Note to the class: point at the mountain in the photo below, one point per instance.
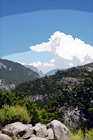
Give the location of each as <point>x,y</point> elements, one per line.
<point>52,72</point>
<point>46,85</point>
<point>41,74</point>
<point>32,68</point>
<point>70,91</point>
<point>12,73</point>
<point>49,73</point>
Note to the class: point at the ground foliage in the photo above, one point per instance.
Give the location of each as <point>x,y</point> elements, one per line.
<point>79,94</point>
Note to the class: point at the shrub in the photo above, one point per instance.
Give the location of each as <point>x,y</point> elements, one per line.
<point>2,117</point>
<point>33,111</point>
<point>79,135</point>
<point>9,114</point>
<point>89,135</point>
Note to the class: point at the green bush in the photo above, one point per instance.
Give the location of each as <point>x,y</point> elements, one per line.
<point>9,114</point>
<point>2,117</point>
<point>51,113</point>
<point>33,111</point>
<point>79,135</point>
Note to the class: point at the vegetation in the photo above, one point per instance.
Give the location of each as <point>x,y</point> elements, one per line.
<point>72,89</point>
<point>46,85</point>
<point>56,93</point>
<point>9,114</point>
<point>79,135</point>
<point>14,73</point>
<point>15,107</point>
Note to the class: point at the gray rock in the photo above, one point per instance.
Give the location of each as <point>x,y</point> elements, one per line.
<point>40,130</point>
<point>72,117</point>
<point>4,137</point>
<point>37,138</point>
<point>18,129</point>
<point>50,134</point>
<point>60,130</point>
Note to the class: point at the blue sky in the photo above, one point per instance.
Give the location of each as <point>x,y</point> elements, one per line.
<point>29,26</point>
<point>12,7</point>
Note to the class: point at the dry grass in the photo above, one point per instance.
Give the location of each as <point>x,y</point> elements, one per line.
<point>79,135</point>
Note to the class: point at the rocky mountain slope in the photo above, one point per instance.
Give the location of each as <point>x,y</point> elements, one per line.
<point>45,85</point>
<point>49,73</point>
<point>71,91</point>
<point>52,131</point>
<point>14,73</point>
<point>32,68</point>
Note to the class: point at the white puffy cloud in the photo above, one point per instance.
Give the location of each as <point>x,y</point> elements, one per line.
<point>67,52</point>
<point>70,64</point>
<point>52,60</point>
<point>36,64</point>
<point>48,64</point>
<point>44,65</point>
<point>66,47</point>
<point>41,47</point>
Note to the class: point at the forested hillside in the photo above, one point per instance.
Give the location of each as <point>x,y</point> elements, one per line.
<point>66,96</point>
<point>47,84</point>
<point>15,73</point>
<point>68,90</point>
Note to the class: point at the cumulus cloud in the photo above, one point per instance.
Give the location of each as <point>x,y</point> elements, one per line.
<point>36,64</point>
<point>44,65</point>
<point>70,64</point>
<point>66,47</point>
<point>41,47</point>
<point>52,60</point>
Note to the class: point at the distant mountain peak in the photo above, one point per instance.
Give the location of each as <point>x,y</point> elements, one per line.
<point>32,68</point>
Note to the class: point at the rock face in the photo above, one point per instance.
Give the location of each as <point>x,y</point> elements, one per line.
<point>61,132</point>
<point>6,86</point>
<point>50,134</point>
<point>38,132</point>
<point>32,68</point>
<point>4,137</point>
<point>72,117</point>
<point>17,129</point>
<point>37,138</point>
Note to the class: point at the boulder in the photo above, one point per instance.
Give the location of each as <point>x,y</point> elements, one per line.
<point>50,134</point>
<point>4,137</point>
<point>18,129</point>
<point>61,132</point>
<point>40,130</point>
<point>37,138</point>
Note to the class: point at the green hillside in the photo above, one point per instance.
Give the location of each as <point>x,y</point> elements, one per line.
<point>70,89</point>
<point>47,84</point>
<point>15,73</point>
<point>67,91</point>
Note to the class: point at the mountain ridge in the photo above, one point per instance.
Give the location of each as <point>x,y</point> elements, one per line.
<point>45,84</point>
<point>15,73</point>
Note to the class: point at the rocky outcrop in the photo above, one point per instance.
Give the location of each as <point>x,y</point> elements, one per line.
<point>50,134</point>
<point>38,132</point>
<point>5,86</point>
<point>18,129</point>
<point>37,97</point>
<point>72,117</point>
<point>4,137</point>
<point>61,132</point>
<point>69,80</point>
<point>37,138</point>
